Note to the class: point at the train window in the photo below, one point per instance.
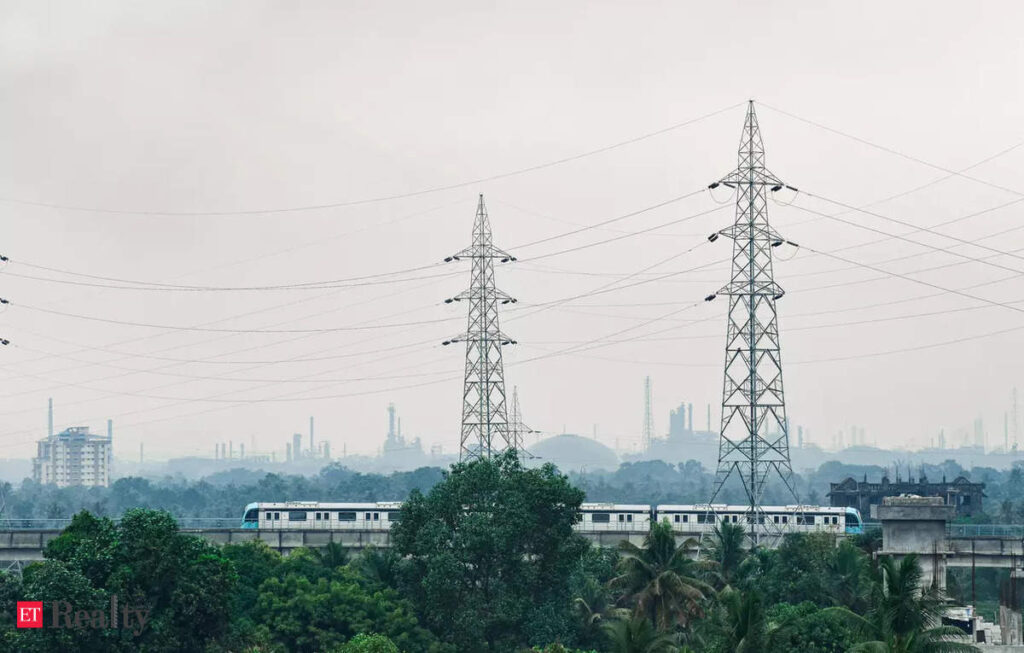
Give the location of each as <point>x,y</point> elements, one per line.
<point>318,518</point>
<point>395,515</point>
<point>346,516</point>
<point>277,516</point>
<point>785,519</point>
<point>296,515</point>
<point>835,520</point>
<point>376,516</point>
<point>270,515</point>
<point>629,518</point>
<point>686,518</point>
<point>775,518</point>
<point>703,518</point>
<point>367,516</point>
<point>622,518</point>
<point>600,518</point>
<point>734,517</point>
<point>677,519</point>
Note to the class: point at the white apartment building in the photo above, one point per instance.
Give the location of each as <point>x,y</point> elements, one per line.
<point>74,457</point>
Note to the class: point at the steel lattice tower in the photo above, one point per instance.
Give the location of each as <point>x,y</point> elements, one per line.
<point>754,436</point>
<point>517,429</point>
<point>485,424</point>
<point>648,432</point>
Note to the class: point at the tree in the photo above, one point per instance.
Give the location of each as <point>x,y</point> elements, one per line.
<point>903,618</point>
<point>184,581</point>
<point>637,635</point>
<point>488,553</point>
<point>331,556</point>
<point>727,550</point>
<point>363,643</point>
<point>660,578</point>
<point>305,615</point>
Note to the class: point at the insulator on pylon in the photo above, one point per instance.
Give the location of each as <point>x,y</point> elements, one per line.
<point>710,297</point>
<point>713,237</point>
<point>776,243</point>
<point>776,187</point>
<point>713,186</point>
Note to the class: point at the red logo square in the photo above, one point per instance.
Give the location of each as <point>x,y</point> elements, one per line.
<point>30,614</point>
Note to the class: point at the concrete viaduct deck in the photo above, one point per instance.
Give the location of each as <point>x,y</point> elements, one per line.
<point>19,547</point>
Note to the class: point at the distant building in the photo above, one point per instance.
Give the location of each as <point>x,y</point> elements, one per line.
<point>965,495</point>
<point>74,457</point>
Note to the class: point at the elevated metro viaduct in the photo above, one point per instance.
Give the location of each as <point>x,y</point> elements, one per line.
<point>909,525</point>
<point>19,547</point>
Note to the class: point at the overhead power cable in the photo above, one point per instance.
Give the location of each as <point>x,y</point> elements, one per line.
<point>895,152</point>
<point>382,198</point>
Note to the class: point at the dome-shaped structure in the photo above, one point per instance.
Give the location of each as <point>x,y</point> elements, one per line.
<point>571,452</point>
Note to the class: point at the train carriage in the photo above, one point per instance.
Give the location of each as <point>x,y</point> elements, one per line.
<point>703,518</point>
<point>317,515</point>
<point>604,517</point>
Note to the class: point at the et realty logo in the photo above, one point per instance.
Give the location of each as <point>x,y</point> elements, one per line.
<point>63,615</point>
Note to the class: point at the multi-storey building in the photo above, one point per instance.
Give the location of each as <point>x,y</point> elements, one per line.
<point>74,457</point>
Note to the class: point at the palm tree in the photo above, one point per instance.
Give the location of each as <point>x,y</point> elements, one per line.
<point>332,556</point>
<point>637,635</point>
<point>746,630</point>
<point>850,578</point>
<point>904,619</point>
<point>727,550</point>
<point>661,579</point>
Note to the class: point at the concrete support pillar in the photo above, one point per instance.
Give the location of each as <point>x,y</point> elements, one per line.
<point>917,525</point>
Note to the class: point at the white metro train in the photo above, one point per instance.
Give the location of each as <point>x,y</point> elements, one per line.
<point>593,517</point>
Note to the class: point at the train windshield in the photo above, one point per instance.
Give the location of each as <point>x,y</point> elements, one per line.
<point>853,522</point>
<point>251,518</point>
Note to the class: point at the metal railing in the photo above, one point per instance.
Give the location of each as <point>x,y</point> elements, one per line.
<point>183,522</point>
<point>985,530</point>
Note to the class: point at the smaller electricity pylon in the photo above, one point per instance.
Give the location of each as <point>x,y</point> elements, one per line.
<point>485,424</point>
<point>517,429</point>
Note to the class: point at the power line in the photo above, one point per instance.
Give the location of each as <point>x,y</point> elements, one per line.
<point>382,198</point>
<point>898,153</point>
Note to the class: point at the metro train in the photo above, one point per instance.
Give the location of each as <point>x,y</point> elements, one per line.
<point>692,519</point>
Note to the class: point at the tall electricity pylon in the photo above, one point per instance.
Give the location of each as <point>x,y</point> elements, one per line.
<point>648,432</point>
<point>754,437</point>
<point>485,425</point>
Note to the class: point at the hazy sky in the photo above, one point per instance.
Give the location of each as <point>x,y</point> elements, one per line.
<point>237,106</point>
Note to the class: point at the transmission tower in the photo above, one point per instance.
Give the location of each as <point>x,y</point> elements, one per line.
<point>648,433</point>
<point>754,436</point>
<point>485,425</point>
<point>517,429</point>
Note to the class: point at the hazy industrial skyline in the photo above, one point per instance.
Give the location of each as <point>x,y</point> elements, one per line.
<point>210,108</point>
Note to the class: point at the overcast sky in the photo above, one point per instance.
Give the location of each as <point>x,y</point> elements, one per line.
<point>210,107</point>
